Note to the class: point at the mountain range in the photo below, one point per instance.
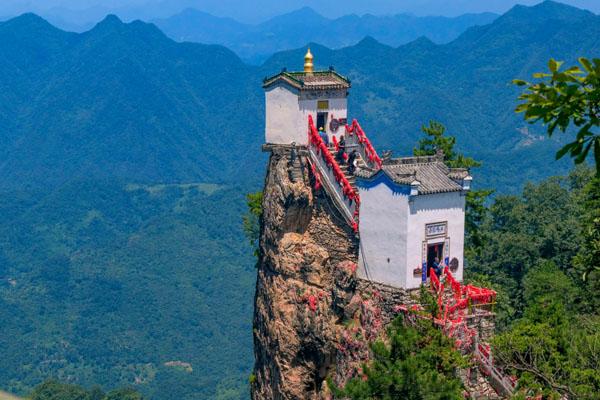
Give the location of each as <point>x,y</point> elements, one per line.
<point>255,43</point>
<point>125,157</point>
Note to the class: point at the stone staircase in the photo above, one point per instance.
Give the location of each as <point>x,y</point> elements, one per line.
<point>344,167</point>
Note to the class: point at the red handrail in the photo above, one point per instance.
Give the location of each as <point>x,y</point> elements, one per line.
<point>315,139</point>
<point>363,139</point>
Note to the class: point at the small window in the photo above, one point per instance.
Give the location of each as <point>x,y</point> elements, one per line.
<point>323,104</point>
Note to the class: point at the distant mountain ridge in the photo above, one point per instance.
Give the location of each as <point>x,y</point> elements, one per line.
<point>121,101</point>
<point>255,43</point>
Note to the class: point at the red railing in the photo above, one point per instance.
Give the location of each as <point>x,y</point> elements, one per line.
<point>371,154</point>
<point>452,319</point>
<point>348,191</point>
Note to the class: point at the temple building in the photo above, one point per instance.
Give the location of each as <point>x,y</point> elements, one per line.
<point>408,213</point>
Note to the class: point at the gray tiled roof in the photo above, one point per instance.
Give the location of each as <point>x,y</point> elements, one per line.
<point>318,80</point>
<point>433,175</point>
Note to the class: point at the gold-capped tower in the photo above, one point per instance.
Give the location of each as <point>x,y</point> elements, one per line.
<point>308,62</point>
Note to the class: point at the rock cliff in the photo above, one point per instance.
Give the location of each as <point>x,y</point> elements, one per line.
<point>301,287</point>
<point>313,318</point>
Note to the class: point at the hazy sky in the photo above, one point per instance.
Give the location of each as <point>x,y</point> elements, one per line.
<point>255,10</point>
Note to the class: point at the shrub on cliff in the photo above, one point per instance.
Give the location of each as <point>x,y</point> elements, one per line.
<point>416,362</point>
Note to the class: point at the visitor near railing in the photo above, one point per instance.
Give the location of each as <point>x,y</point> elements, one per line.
<point>356,136</point>
<point>331,173</point>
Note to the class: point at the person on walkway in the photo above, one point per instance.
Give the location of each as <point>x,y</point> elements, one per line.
<point>340,156</point>
<point>437,267</point>
<point>352,162</point>
<point>324,136</point>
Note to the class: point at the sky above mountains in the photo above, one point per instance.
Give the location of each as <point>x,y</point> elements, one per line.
<point>83,11</point>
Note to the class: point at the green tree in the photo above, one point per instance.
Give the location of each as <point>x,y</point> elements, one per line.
<point>435,140</point>
<point>55,390</point>
<point>123,394</point>
<point>416,362</point>
<point>551,349</point>
<point>251,220</point>
<point>563,98</point>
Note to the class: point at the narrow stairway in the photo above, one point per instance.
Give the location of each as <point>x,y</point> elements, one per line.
<point>344,167</point>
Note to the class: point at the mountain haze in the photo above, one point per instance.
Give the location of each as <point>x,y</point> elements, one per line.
<point>257,42</point>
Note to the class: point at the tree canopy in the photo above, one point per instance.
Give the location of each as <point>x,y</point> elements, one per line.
<point>565,98</point>
<point>55,390</point>
<point>415,362</point>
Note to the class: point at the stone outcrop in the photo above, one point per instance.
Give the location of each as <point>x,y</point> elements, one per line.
<point>302,287</point>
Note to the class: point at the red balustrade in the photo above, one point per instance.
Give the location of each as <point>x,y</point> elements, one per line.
<point>315,139</point>
<point>370,152</point>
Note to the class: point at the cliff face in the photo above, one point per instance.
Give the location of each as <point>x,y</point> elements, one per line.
<point>313,318</point>
<point>306,263</point>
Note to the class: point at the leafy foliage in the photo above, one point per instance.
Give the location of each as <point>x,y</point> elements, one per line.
<point>435,141</point>
<point>107,283</point>
<point>415,362</point>
<point>54,390</point>
<point>588,258</point>
<point>552,349</point>
<point>548,317</point>
<point>565,97</point>
<point>251,220</point>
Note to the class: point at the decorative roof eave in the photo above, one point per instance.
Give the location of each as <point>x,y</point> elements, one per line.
<point>292,79</point>
<point>402,183</point>
<point>458,174</point>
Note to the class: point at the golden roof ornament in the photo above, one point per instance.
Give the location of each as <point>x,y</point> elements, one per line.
<point>308,62</point>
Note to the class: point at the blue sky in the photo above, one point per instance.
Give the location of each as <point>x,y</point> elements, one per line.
<point>256,10</point>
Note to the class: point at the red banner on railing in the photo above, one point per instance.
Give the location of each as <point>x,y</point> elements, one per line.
<point>315,139</point>
<point>364,140</point>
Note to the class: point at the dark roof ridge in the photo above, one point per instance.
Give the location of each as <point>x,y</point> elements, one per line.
<point>297,79</point>
<point>414,160</point>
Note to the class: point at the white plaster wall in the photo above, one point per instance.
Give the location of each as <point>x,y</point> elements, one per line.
<point>283,117</point>
<point>338,107</point>
<point>383,227</point>
<point>428,209</point>
<point>287,113</point>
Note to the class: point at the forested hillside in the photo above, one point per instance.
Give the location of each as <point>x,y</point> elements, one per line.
<point>123,101</point>
<point>125,157</point>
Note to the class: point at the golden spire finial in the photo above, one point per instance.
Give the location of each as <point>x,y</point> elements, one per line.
<point>308,62</point>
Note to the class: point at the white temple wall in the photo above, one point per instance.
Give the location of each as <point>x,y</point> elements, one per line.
<point>287,112</point>
<point>431,209</point>
<point>283,117</point>
<point>383,227</point>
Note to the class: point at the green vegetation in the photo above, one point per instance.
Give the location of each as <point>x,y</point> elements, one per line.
<point>567,97</point>
<point>53,390</point>
<point>117,267</point>
<point>251,220</point>
<point>536,248</point>
<point>113,284</point>
<point>415,362</point>
<point>436,140</point>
